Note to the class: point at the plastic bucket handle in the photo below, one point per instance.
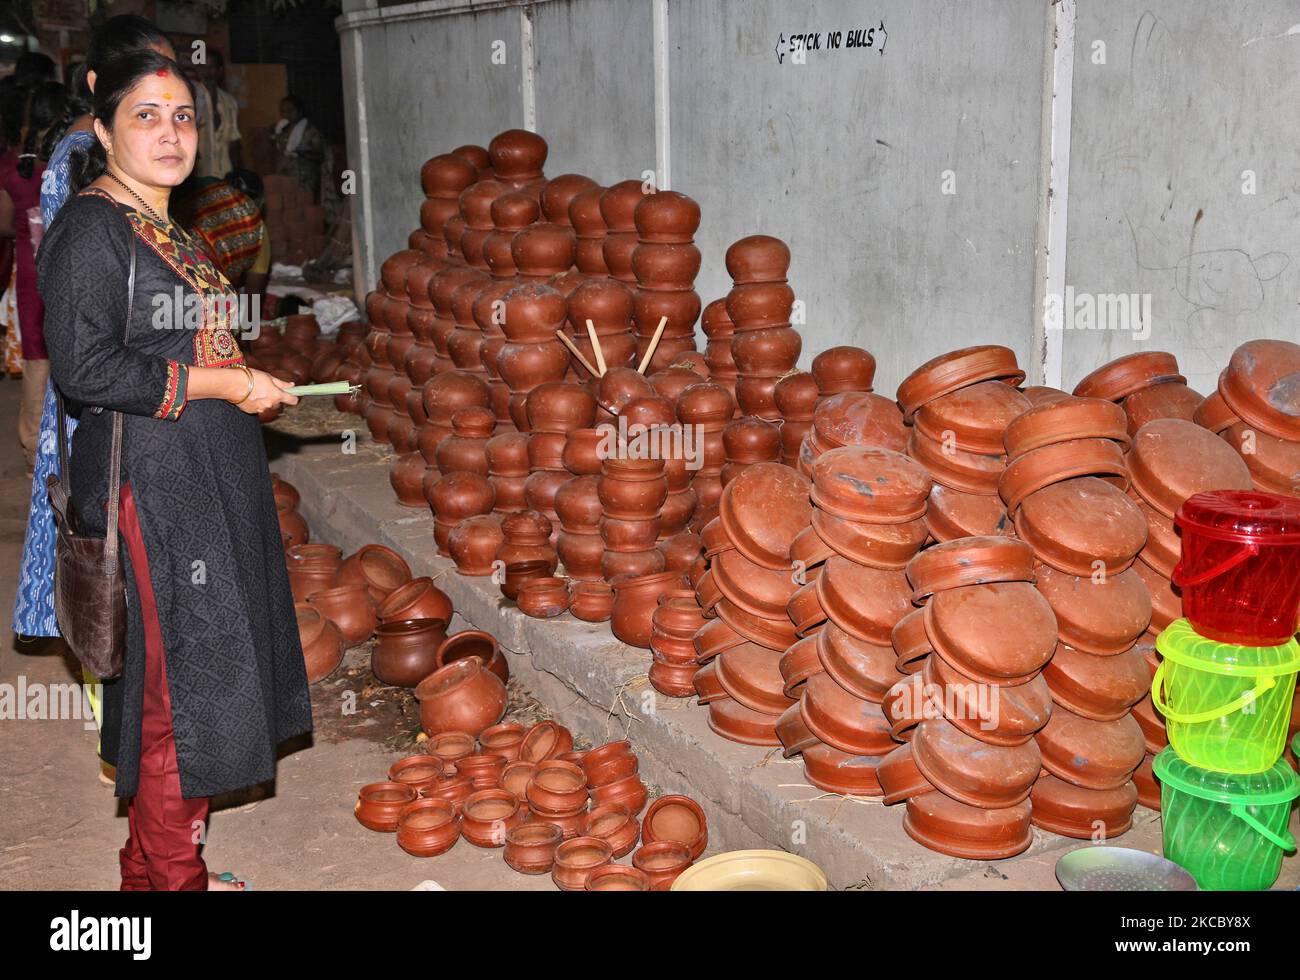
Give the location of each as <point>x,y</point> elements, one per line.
<point>1248,550</point>
<point>1265,683</point>
<point>1283,840</point>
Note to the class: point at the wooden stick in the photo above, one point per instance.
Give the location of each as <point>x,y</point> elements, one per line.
<point>595,346</point>
<point>564,339</point>
<point>654,342</point>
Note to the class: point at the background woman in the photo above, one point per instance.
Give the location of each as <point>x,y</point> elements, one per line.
<point>214,677</point>
<point>299,146</point>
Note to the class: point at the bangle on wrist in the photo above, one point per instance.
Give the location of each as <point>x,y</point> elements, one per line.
<point>244,368</point>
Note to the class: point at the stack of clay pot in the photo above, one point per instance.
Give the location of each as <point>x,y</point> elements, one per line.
<point>796,396</point>
<point>589,230</point>
<point>1147,385</point>
<point>744,594</point>
<point>632,494</point>
<point>665,263</point>
<point>511,213</point>
<point>476,211</point>
<point>443,178</point>
<point>531,355</point>
<point>970,715</point>
<point>748,440</point>
<point>543,252</point>
<point>720,331</point>
<point>441,397</point>
<point>517,157</point>
<point>764,346</point>
<point>676,620</point>
<point>421,357</point>
<point>508,469</point>
<point>293,526</point>
<point>840,369</point>
<point>707,407</point>
<point>387,344</point>
<point>607,303</point>
<point>617,207</point>
<point>554,409</point>
<point>526,551</point>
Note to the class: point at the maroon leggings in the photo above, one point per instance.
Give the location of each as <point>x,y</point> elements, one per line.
<point>166,830</point>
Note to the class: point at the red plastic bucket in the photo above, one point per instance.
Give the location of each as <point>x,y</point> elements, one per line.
<point>1240,567</point>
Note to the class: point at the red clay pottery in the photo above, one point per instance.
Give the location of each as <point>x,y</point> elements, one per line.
<point>864,602</point>
<point>545,740</point>
<point>763,509</point>
<point>379,569</point>
<point>618,878</point>
<point>998,715</point>
<point>758,590</point>
<point>1065,420</point>
<point>543,598</point>
<point>405,651</point>
<point>614,824</point>
<point>972,771</point>
<point>632,489</point>
<point>1169,400</point>
<point>516,776</point>
<point>1213,413</point>
<point>449,748</point>
<point>955,370</point>
<point>592,602</point>
<point>322,644</point>
<point>1147,785</point>
<point>1173,459</point>
<point>285,493</point>
<point>734,722</point>
<point>482,769</point>
<point>1074,525</point>
<point>635,597</point>
<point>662,862</point>
<point>427,828</point>
<point>1074,811</point>
<point>677,818</point>
<point>629,791</point>
<point>855,418</point>
<point>1274,464</point>
<point>801,661</point>
<point>953,514</point>
<point>474,543</point>
<point>795,736</point>
<point>1163,547</point>
<point>1100,688</point>
<point>1123,376</point>
<point>557,788</point>
<point>488,815</point>
<point>379,805</point>
<point>950,827</point>
<point>899,778</point>
<point>1092,754</point>
<point>463,696</point>
<point>973,418</point>
<point>843,720</point>
<point>420,772</point>
<point>714,637</point>
<point>805,609</point>
<point>609,762</point>
<point>752,675</point>
<point>1001,633</point>
<point>530,847</point>
<point>775,634</point>
<point>834,771</point>
<point>1097,615</point>
<point>417,599</point>
<point>808,547</point>
<point>576,859</point>
<point>350,609</point>
<point>469,644</point>
<point>865,670</point>
<point>1039,468</point>
<point>865,483</point>
<point>503,740</point>
<point>910,642</point>
<point>955,468</point>
<point>969,561</point>
<point>838,369</point>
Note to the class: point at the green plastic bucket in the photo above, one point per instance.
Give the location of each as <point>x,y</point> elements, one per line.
<point>1226,707</point>
<point>1228,830</point>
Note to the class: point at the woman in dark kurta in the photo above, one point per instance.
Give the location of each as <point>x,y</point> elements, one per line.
<point>213,661</point>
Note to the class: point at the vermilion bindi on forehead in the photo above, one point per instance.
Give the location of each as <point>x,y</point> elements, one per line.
<point>162,73</point>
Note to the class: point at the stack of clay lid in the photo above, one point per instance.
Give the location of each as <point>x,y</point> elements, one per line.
<point>1257,410</point>
<point>748,440</point>
<point>958,405</point>
<point>765,346</point>
<point>1147,385</point>
<point>852,418</point>
<point>719,330</point>
<point>796,397</point>
<point>442,178</point>
<point>840,369</point>
<point>745,593</point>
<point>665,263</point>
<point>970,715</point>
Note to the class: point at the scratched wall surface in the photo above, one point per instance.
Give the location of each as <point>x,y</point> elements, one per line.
<point>595,87</point>
<point>843,157</point>
<point>1190,96</point>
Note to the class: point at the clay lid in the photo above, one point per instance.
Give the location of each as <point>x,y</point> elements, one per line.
<point>758,258</point>
<point>1042,394</point>
<point>734,722</point>
<point>513,211</point>
<point>955,370</point>
<point>972,771</point>
<point>1009,715</point>
<point>558,193</point>
<point>1214,413</point>
<point>859,418</point>
<point>953,514</point>
<point>899,777</point>
<point>834,771</point>
<point>844,721</point>
<point>752,675</point>
<point>969,561</point>
<point>976,416</point>
<point>1099,688</point>
<point>1167,400</point>
<point>1073,524</point>
<point>870,484</point>
<point>517,155</point>
<point>865,670</point>
<point>1091,754</point>
<point>446,175</point>
<point>864,602</point>
<point>1000,633</point>
<point>715,322</point>
<point>1274,464</point>
<point>775,634</point>
<point>955,468</point>
<point>1039,468</point>
<point>763,509</point>
<point>1063,420</point>
<point>618,205</point>
<point>838,369</point>
<point>755,589</point>
<point>584,213</point>
<point>666,216</point>
<point>951,827</point>
<point>476,203</point>
<point>1121,377</point>
<point>1063,808</point>
<point>1172,459</point>
<point>796,396</point>
<point>1099,615</point>
<point>886,546</point>
<point>910,642</point>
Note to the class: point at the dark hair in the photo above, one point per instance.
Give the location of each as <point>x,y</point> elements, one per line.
<point>116,79</point>
<point>76,104</point>
<point>45,106</point>
<point>122,35</point>
<point>247,182</point>
<point>32,68</point>
<point>297,103</point>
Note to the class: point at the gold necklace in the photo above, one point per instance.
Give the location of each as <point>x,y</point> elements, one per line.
<point>143,203</point>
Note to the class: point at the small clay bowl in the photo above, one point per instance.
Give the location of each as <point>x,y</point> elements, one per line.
<point>1001,633</point>
<point>612,822</point>
<point>1074,524</point>
<point>998,715</point>
<point>488,815</point>
<point>752,675</point>
<point>864,602</point>
<point>483,770</point>
<point>545,740</point>
<point>530,847</point>
<point>972,771</point>
<point>576,859</point>
<point>775,634</point>
<point>910,642</point>
<point>969,561</point>
<point>1040,468</point>
<point>592,602</point>
<point>755,589</point>
<point>1173,459</point>
<point>628,790</point>
<point>867,483</point>
<point>1098,615</point>
<point>885,546</point>
<point>794,735</point>
<point>1123,376</point>
<point>973,417</point>
<point>736,723</point>
<point>865,670</point>
<point>838,718</point>
<point>953,514</point>
<point>955,468</point>
<point>570,824</point>
<point>1099,688</point>
<point>427,828</point>
<point>801,661</point>
<point>449,748</point>
<point>515,778</point>
<point>951,827</point>
<point>379,805</point>
<point>543,598</point>
<point>955,370</point>
<point>677,818</point>
<point>503,740</point>
<point>662,862</point>
<point>557,788</point>
<point>763,509</point>
<point>1073,811</point>
<point>707,593</point>
<point>618,878</point>
<point>1091,754</point>
<point>899,778</point>
<point>1065,420</point>
<point>834,771</point>
<point>609,762</point>
<point>714,637</point>
<point>420,772</point>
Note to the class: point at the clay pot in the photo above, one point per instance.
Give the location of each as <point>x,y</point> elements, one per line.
<point>1021,710</point>
<point>474,544</point>
<point>488,815</point>
<point>1073,524</point>
<point>629,791</point>
<point>417,599</point>
<point>1100,688</point>
<point>855,418</point>
<point>973,418</point>
<point>956,468</point>
<point>285,493</point>
<point>1040,468</point>
<point>473,644</point>
<point>609,762</point>
<point>956,370</point>
<point>544,598</point>
<point>582,449</point>
<point>865,483</point>
<point>758,258</point>
<point>482,769</point>
<point>864,602</point>
<point>707,686</point>
<point>972,771</point>
<point>405,650</point>
<point>1125,375</point>
<point>677,818</point>
<point>462,696</point>
<point>576,859</point>
<point>752,675</point>
<point>1172,459</point>
<point>948,826</point>
<point>1099,616</point>
<point>910,642</point>
<point>758,590</point>
<point>1097,755</point>
<point>420,772</point>
<point>733,721</point>
<point>899,778</point>
<point>1170,400</point>
<point>1073,811</point>
<point>634,604</point>
<point>350,609</point>
<point>545,740</point>
<point>557,788</point>
<point>838,369</point>
<point>662,862</point>
<point>834,771</point>
<point>972,629</point>
<point>380,804</point>
<point>379,569</point>
<point>842,720</point>
<point>863,669</point>
<point>801,661</point>
<point>969,561</point>
<point>1213,413</point>
<point>592,602</point>
<point>631,564</point>
<point>952,514</point>
<point>763,509</point>
<point>632,489</point>
<point>322,644</point>
<point>530,847</point>
<point>795,736</point>
<point>449,748</point>
<point>775,634</point>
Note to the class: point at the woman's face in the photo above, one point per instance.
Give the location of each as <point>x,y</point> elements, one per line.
<point>290,111</point>
<point>154,137</point>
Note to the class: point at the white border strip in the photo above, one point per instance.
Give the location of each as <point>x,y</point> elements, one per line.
<point>363,216</point>
<point>422,10</point>
<point>528,64</point>
<point>662,95</point>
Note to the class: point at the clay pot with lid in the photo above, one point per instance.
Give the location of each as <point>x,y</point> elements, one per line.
<point>474,542</point>
<point>589,231</point>
<point>473,644</point>
<point>463,696</point>
<point>1125,375</point>
<point>1073,524</point>
<point>322,644</point>
<point>758,258</point>
<point>839,369</point>
<point>635,598</point>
